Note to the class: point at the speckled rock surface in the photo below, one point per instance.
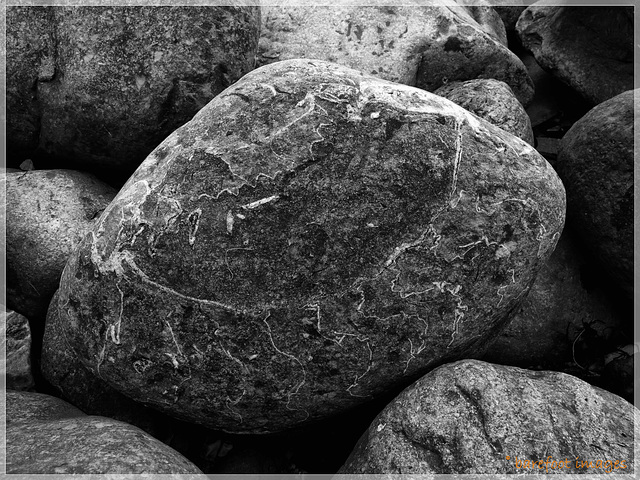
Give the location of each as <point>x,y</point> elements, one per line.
<point>588,48</point>
<point>88,392</point>
<point>311,238</point>
<point>485,16</point>
<point>418,46</point>
<point>62,368</point>
<point>48,212</point>
<point>30,58</point>
<point>493,101</point>
<point>37,407</point>
<point>474,417</point>
<point>18,351</point>
<point>561,325</point>
<point>47,435</point>
<point>596,163</point>
<point>119,79</point>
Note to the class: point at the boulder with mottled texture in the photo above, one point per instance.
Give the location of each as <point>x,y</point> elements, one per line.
<point>116,80</point>
<point>75,383</point>
<point>588,48</point>
<point>472,417</point>
<point>418,46</point>
<point>47,214</point>
<point>46,435</point>
<point>596,164</point>
<point>485,16</point>
<point>312,238</point>
<point>492,100</point>
<point>30,54</point>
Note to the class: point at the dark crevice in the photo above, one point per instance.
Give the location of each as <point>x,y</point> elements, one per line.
<point>220,78</point>
<point>166,107</point>
<point>391,127</point>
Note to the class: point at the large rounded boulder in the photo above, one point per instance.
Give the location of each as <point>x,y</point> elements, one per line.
<point>493,101</point>
<point>472,417</point>
<point>46,435</point>
<point>313,238</point>
<point>424,47</point>
<point>102,86</point>
<point>596,163</point>
<point>590,49</point>
<point>47,214</point>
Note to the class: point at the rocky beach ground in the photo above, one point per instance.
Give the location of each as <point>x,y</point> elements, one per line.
<point>326,240</point>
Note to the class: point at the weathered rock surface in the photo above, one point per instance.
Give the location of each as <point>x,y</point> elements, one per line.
<point>117,80</point>
<point>588,48</point>
<point>314,447</point>
<point>61,367</point>
<point>492,100</point>
<point>18,351</point>
<point>560,324</point>
<point>92,395</point>
<point>48,435</point>
<point>30,58</point>
<point>418,46</point>
<point>485,16</point>
<point>474,417</point>
<point>596,163</point>
<point>47,214</point>
<point>313,237</point>
<point>77,385</point>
